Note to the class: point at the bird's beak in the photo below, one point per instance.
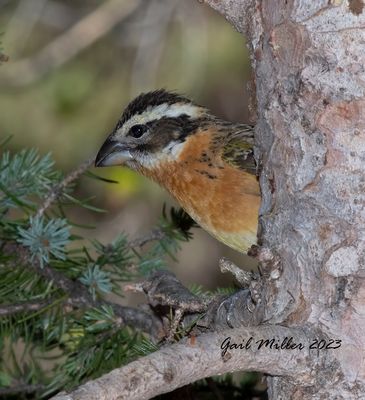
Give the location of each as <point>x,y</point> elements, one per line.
<point>112,153</point>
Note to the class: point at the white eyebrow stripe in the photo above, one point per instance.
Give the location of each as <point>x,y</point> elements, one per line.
<point>161,111</point>
<point>175,110</point>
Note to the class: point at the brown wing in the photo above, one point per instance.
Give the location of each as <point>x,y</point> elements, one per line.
<point>236,141</point>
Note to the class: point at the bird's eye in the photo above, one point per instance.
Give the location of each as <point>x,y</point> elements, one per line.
<point>137,131</point>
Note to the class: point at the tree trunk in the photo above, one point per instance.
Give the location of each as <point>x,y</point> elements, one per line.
<point>309,58</point>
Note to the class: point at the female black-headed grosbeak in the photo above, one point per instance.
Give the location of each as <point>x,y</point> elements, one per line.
<point>206,163</point>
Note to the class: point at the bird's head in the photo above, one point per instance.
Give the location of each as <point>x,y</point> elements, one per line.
<point>152,128</point>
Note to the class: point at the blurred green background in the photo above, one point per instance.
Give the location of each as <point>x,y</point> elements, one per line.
<point>75,64</point>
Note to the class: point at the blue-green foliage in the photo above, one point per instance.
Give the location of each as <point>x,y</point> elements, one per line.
<point>45,238</point>
<point>96,280</point>
<point>84,342</point>
<point>23,176</point>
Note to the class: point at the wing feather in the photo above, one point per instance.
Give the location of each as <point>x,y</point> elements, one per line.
<point>236,146</point>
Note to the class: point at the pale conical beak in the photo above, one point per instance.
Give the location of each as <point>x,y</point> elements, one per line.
<point>112,153</point>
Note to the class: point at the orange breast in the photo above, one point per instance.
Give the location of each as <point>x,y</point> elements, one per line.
<point>222,199</point>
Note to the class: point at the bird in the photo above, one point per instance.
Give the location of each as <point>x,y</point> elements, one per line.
<point>206,163</point>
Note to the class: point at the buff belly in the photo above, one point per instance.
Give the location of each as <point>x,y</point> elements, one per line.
<point>240,241</point>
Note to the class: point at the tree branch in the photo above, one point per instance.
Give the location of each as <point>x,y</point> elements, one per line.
<point>82,35</point>
<point>20,388</point>
<point>56,192</point>
<point>79,295</point>
<point>235,12</point>
<point>197,358</point>
<point>58,189</point>
<point>243,308</point>
<point>154,234</point>
<point>31,306</point>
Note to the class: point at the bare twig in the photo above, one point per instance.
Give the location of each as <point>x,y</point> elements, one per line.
<point>151,44</point>
<point>83,34</point>
<point>59,15</point>
<point>22,23</point>
<point>164,289</point>
<point>154,234</point>
<point>58,189</point>
<point>19,388</point>
<point>187,361</point>
<point>11,309</point>
<point>179,313</point>
<point>133,287</point>
<point>243,277</point>
<point>3,58</point>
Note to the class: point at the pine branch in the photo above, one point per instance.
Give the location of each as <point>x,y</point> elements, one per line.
<point>20,388</point>
<point>57,191</point>
<point>29,306</point>
<point>79,296</point>
<point>34,253</point>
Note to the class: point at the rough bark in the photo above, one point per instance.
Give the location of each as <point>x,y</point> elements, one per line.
<point>196,358</point>
<point>308,58</point>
